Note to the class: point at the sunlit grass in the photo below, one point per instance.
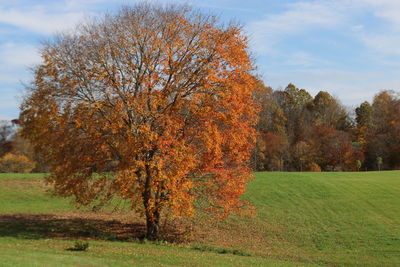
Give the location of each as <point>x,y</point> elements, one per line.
<point>337,219</point>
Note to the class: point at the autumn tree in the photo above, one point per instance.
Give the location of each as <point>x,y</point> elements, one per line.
<point>326,109</point>
<point>363,124</point>
<point>302,153</point>
<point>364,114</point>
<point>16,163</point>
<point>384,130</point>
<point>22,147</point>
<point>157,101</point>
<point>333,148</point>
<point>271,146</point>
<point>293,102</point>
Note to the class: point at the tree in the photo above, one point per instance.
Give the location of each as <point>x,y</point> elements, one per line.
<point>272,151</point>
<point>156,101</point>
<point>384,130</point>
<point>358,164</point>
<point>363,120</point>
<point>293,102</point>
<point>302,153</point>
<point>334,148</point>
<point>16,163</point>
<point>379,162</point>
<point>363,114</point>
<point>327,110</point>
<point>6,130</point>
<point>21,146</point>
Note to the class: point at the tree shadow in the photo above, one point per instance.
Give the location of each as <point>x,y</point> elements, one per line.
<point>43,226</point>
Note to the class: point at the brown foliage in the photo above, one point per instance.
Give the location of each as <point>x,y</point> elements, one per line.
<point>272,149</point>
<point>384,130</point>
<point>334,148</point>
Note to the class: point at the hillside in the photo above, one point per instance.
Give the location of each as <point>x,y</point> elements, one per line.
<point>302,219</point>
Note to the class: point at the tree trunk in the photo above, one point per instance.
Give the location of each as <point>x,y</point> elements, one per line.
<point>152,213</point>
<point>152,225</point>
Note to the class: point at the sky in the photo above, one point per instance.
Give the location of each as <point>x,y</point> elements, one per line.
<point>349,48</point>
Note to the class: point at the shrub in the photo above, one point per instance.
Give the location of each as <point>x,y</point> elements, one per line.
<point>313,167</point>
<point>79,246</point>
<point>358,165</point>
<point>221,250</point>
<point>16,163</point>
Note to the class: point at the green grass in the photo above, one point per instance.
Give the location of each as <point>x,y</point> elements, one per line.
<point>336,218</point>
<point>328,219</point>
<point>22,175</point>
<point>15,252</point>
<point>27,193</point>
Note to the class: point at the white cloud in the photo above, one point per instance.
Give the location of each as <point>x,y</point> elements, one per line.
<point>298,18</point>
<point>18,55</point>
<point>8,104</point>
<point>386,9</point>
<point>39,19</point>
<point>303,59</point>
<point>357,28</point>
<point>302,16</point>
<point>385,39</point>
<point>15,59</point>
<point>87,4</point>
<point>387,43</point>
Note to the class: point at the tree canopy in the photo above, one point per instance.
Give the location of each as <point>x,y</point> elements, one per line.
<point>156,101</point>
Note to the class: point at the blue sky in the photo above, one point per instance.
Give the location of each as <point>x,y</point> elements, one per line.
<point>347,47</point>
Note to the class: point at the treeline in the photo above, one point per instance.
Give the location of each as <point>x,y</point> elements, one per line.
<point>298,132</point>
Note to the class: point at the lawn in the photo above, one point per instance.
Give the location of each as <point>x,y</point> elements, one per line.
<point>327,219</point>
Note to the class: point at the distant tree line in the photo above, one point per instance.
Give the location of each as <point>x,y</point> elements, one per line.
<point>298,132</point>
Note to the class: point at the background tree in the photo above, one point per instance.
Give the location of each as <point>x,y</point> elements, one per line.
<point>384,130</point>
<point>363,120</point>
<point>290,124</point>
<point>22,147</point>
<point>6,130</point>
<point>379,162</point>
<point>157,101</point>
<point>293,103</point>
<point>358,164</point>
<point>302,154</point>
<point>16,164</point>
<point>328,110</point>
<point>334,148</point>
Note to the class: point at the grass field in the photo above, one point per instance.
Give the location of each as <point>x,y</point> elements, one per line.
<point>303,219</point>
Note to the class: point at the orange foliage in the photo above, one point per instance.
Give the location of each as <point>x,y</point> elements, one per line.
<point>156,101</point>
<point>313,167</point>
